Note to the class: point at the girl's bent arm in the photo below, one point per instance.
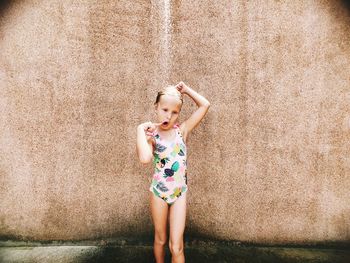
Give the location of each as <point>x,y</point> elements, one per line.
<point>144,147</point>
<point>196,117</point>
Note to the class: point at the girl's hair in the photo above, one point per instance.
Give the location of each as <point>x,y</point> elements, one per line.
<point>169,90</point>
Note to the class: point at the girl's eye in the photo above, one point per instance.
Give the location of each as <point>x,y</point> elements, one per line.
<point>165,109</point>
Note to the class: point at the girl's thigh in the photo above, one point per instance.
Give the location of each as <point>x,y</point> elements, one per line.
<point>159,211</point>
<point>177,219</point>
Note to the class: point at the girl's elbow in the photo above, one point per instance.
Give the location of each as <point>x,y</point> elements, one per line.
<point>144,157</point>
<point>206,103</point>
<point>145,160</point>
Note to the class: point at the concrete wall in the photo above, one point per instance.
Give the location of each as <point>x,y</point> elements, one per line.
<point>269,163</point>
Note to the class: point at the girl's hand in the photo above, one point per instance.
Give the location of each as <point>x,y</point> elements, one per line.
<point>149,127</point>
<point>182,87</point>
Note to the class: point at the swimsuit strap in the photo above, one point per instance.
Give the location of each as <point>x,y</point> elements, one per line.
<point>178,131</point>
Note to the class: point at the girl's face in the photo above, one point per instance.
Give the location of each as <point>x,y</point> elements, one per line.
<point>168,109</point>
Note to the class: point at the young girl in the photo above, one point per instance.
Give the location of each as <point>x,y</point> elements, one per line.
<point>164,142</point>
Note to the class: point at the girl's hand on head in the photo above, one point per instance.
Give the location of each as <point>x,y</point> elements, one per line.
<point>182,87</point>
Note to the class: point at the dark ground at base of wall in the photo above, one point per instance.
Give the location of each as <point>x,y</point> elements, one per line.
<point>122,250</point>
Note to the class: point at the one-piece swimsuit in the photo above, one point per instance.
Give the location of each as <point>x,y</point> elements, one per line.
<point>170,167</point>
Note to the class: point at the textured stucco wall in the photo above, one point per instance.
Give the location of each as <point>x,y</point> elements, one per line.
<point>269,163</point>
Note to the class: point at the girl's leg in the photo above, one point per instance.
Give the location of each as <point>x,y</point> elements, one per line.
<point>159,211</point>
<point>177,218</point>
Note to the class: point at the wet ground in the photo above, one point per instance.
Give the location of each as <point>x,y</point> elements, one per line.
<point>24,252</point>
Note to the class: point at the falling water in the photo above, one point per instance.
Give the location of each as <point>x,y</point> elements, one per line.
<point>166,37</point>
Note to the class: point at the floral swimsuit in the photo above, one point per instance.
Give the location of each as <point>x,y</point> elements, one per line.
<point>169,179</point>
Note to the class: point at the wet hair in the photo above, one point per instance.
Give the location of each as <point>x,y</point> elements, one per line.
<point>171,91</point>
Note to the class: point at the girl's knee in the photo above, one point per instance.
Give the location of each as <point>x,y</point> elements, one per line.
<point>176,248</point>
<point>160,239</point>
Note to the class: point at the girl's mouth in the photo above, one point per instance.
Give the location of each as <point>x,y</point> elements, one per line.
<point>165,123</point>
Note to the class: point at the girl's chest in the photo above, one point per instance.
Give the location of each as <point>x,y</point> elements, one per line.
<point>173,149</point>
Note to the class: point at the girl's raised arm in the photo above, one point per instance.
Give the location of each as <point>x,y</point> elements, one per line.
<point>196,117</point>
<point>144,145</point>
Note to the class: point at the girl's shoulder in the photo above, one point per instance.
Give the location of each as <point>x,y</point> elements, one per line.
<point>182,129</point>
<point>178,127</point>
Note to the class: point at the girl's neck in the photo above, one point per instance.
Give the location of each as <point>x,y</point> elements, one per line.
<point>166,134</point>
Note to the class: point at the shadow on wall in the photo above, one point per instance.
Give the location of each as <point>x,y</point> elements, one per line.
<point>4,5</point>
<point>346,4</point>
<point>131,232</point>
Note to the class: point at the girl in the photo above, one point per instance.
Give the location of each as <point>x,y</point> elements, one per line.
<point>165,143</point>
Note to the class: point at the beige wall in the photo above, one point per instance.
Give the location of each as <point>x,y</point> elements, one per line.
<point>270,162</point>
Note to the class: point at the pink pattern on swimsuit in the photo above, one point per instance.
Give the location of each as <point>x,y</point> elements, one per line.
<point>170,165</point>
